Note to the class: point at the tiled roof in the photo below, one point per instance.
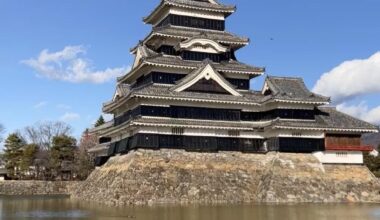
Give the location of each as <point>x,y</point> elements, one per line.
<point>203,4</point>
<point>164,92</point>
<point>290,88</point>
<point>101,127</point>
<point>123,89</point>
<point>189,123</point>
<point>189,4</point>
<point>225,66</point>
<point>329,118</point>
<point>146,52</point>
<point>337,119</point>
<point>152,57</point>
<point>188,33</point>
<point>221,36</point>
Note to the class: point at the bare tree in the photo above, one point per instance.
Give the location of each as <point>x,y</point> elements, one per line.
<point>87,141</point>
<point>42,133</point>
<point>1,132</point>
<point>84,162</point>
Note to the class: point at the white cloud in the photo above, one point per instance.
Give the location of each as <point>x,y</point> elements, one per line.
<point>63,107</point>
<point>70,65</point>
<point>40,105</point>
<point>69,117</point>
<point>351,79</point>
<point>108,117</point>
<point>362,111</point>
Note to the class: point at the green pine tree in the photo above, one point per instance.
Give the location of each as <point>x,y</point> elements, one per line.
<point>100,121</point>
<point>13,151</point>
<point>63,150</point>
<point>29,154</point>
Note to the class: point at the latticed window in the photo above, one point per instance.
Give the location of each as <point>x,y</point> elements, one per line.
<point>193,22</point>
<point>234,133</point>
<point>178,131</point>
<point>341,154</point>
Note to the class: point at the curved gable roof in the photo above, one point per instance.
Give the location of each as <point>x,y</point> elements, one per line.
<point>208,72</point>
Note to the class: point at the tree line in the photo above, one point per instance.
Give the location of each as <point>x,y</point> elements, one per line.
<point>373,163</point>
<point>47,151</point>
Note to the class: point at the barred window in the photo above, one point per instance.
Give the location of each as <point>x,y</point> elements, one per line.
<point>296,134</point>
<point>178,131</point>
<point>187,21</point>
<point>341,154</point>
<point>234,133</point>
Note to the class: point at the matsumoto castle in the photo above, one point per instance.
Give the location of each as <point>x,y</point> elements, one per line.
<point>187,90</point>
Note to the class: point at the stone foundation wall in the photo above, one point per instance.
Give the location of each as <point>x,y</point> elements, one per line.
<point>174,176</point>
<point>301,178</point>
<point>30,188</point>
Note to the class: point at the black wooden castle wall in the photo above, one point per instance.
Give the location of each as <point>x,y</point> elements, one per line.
<point>296,145</point>
<point>172,78</point>
<point>189,143</point>
<point>211,144</point>
<point>213,114</point>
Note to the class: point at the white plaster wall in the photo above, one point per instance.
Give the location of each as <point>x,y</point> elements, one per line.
<point>339,157</point>
<point>294,134</point>
<point>198,132</point>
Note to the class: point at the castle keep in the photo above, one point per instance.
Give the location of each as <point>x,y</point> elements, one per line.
<point>187,90</point>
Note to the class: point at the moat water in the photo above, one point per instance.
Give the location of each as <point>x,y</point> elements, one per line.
<point>64,208</point>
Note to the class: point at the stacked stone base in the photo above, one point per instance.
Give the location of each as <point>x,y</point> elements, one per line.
<point>175,176</point>
<point>301,178</point>
<point>36,188</point>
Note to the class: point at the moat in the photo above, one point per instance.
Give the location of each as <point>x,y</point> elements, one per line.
<point>65,208</point>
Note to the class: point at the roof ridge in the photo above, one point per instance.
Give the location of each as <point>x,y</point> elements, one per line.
<point>286,77</point>
<point>200,3</point>
<point>197,5</point>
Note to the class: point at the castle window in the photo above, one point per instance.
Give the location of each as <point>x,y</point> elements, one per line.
<point>178,131</point>
<point>234,133</point>
<point>341,154</point>
<point>187,21</point>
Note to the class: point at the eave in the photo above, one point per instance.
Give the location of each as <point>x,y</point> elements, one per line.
<point>146,62</point>
<point>109,107</point>
<point>237,44</point>
<point>197,124</point>
<point>331,129</point>
<point>165,3</point>
<point>350,148</point>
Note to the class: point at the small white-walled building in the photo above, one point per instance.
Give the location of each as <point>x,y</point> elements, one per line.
<point>343,155</point>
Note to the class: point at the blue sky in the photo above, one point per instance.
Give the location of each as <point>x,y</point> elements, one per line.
<point>290,38</point>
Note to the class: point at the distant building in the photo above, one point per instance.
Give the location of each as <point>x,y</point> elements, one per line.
<point>3,170</point>
<point>187,90</point>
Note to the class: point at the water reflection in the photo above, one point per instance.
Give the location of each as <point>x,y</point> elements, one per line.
<point>64,208</point>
